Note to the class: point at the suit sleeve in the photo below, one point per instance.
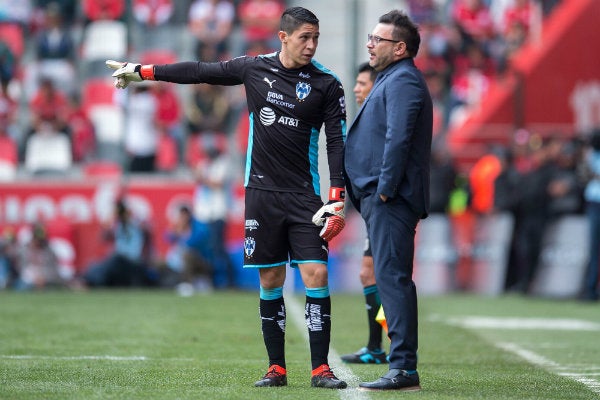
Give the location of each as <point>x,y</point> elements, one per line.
<point>335,133</point>
<point>403,102</point>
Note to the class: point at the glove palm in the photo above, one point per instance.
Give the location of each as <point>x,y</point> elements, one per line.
<point>125,73</point>
<point>331,218</point>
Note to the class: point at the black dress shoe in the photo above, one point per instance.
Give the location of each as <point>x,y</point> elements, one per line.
<point>395,379</point>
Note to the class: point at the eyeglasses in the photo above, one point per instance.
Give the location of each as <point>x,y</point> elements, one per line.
<point>374,39</point>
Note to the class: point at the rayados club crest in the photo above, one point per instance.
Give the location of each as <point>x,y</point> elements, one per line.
<point>302,90</point>
<point>249,246</point>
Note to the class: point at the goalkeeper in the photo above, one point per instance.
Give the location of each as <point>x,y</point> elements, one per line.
<point>290,97</point>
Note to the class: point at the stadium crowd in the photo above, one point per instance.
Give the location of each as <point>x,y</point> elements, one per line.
<point>59,114</point>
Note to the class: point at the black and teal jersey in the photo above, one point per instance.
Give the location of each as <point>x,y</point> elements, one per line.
<point>287,108</point>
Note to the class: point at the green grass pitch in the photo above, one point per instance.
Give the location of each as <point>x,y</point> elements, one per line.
<point>156,345</point>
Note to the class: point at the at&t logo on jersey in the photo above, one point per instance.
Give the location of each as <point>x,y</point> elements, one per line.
<point>267,116</point>
<point>249,246</point>
<point>302,90</point>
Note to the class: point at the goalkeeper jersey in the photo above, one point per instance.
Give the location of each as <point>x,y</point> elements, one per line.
<point>287,108</point>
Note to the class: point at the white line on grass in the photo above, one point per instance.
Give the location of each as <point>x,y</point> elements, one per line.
<point>549,365</point>
<point>97,357</point>
<point>555,324</point>
<point>296,312</point>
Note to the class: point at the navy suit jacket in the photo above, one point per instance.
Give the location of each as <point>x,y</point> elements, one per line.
<point>388,145</point>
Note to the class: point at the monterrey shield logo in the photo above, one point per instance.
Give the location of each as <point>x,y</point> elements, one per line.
<point>249,246</point>
<point>302,90</point>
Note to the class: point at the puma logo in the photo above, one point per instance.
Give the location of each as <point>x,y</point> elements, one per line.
<point>269,82</point>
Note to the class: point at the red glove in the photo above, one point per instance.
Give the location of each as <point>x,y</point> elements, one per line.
<point>331,215</point>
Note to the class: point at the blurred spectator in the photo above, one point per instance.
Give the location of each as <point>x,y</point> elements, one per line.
<point>259,20</point>
<point>481,182</point>
<point>49,104</point>
<point>37,265</point>
<point>565,188</point>
<point>506,185</point>
<point>507,44</point>
<point>531,218</point>
<point>211,200</point>
<point>168,112</point>
<point>141,133</point>
<point>211,23</point>
<point>95,10</point>
<point>54,41</point>
<point>471,80</point>
<point>188,257</point>
<point>9,254</point>
<point>442,179</point>
<point>67,8</point>
<point>591,291</point>
<point>81,128</point>
<point>8,65</point>
<point>55,50</point>
<point>423,11</point>
<point>47,149</point>
<point>520,11</point>
<point>474,18</point>
<point>127,264</point>
<point>152,13</point>
<point>439,95</point>
<point>207,110</point>
<point>9,154</point>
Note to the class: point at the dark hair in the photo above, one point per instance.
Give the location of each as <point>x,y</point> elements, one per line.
<point>366,67</point>
<point>404,30</point>
<point>293,17</point>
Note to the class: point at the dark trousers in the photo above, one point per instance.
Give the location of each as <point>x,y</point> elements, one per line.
<point>593,269</point>
<point>391,228</point>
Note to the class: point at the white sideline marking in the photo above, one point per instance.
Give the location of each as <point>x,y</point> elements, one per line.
<point>77,358</point>
<point>296,312</point>
<point>476,322</point>
<point>549,365</point>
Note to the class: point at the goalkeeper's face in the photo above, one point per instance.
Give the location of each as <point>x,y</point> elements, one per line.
<point>299,47</point>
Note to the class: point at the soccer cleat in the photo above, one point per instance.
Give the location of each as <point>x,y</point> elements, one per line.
<point>366,356</point>
<point>323,377</point>
<point>275,376</point>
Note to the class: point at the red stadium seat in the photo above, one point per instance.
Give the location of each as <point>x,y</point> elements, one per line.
<point>158,56</point>
<point>103,169</point>
<point>12,35</point>
<point>98,91</point>
<point>167,158</point>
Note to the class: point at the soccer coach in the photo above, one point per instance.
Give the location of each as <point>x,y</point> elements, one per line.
<point>387,156</point>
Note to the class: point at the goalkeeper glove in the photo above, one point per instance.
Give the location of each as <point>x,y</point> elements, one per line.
<point>130,72</point>
<point>331,215</point>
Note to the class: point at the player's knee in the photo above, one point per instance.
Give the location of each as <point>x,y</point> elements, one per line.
<point>316,277</point>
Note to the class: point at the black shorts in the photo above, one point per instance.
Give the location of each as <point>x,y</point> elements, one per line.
<point>279,229</point>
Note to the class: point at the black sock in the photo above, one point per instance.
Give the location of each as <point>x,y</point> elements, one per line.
<point>318,320</point>
<point>375,329</point>
<point>272,315</point>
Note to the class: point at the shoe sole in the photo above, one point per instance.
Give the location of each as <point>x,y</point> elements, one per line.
<point>403,389</point>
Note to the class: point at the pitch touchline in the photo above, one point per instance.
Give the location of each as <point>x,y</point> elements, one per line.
<point>296,312</point>
<point>96,357</point>
<point>549,365</point>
